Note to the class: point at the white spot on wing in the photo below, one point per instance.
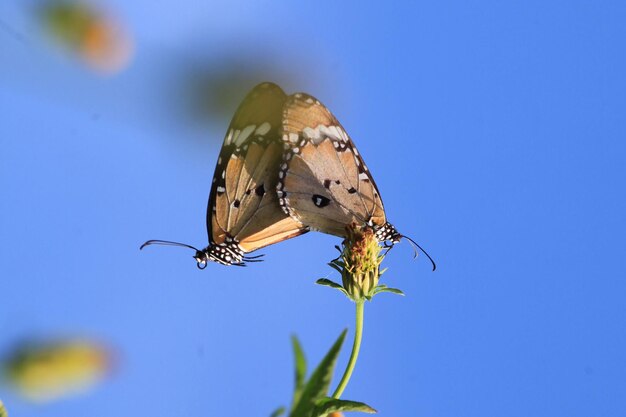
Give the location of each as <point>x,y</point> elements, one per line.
<point>311,133</point>
<point>233,136</point>
<point>293,137</point>
<point>324,130</point>
<point>221,189</point>
<point>244,134</point>
<point>363,176</point>
<point>342,134</point>
<point>263,129</point>
<point>229,136</point>
<point>334,132</point>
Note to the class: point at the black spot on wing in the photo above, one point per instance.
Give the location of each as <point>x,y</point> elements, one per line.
<point>320,200</point>
<point>260,190</point>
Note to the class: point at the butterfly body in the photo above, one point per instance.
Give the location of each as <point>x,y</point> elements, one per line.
<point>227,253</point>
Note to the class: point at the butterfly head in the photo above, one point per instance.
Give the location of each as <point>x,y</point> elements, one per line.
<point>389,236</point>
<point>388,233</point>
<point>201,258</point>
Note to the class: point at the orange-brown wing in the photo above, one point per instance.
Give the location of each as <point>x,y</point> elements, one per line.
<point>323,181</point>
<point>243,204</point>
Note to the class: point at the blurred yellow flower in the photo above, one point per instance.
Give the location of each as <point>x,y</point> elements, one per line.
<point>44,372</point>
<point>3,411</point>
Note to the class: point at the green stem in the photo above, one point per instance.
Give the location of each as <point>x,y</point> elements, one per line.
<point>358,334</point>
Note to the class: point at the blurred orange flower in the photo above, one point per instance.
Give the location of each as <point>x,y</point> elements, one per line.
<point>94,36</point>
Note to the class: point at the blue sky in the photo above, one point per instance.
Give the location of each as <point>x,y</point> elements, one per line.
<point>495,132</point>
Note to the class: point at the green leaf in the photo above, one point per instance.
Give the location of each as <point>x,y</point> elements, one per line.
<point>330,405</point>
<point>300,363</point>
<point>334,265</point>
<point>318,384</point>
<point>278,412</point>
<point>3,411</point>
<point>384,288</point>
<point>328,283</point>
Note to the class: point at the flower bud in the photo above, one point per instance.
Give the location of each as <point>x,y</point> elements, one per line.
<point>359,263</point>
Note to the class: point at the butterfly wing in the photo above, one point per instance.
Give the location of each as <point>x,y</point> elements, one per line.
<point>323,180</point>
<point>243,204</point>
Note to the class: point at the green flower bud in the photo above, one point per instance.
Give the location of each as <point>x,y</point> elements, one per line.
<point>359,263</point>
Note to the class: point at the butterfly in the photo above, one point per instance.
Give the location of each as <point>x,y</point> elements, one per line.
<point>243,212</point>
<point>323,181</point>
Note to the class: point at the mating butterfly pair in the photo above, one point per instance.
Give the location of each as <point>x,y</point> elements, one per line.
<point>286,167</point>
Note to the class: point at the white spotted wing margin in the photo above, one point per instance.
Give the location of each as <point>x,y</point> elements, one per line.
<point>243,212</point>
<point>323,180</point>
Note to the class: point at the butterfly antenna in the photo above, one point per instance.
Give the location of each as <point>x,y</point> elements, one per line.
<point>416,246</point>
<point>166,243</point>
